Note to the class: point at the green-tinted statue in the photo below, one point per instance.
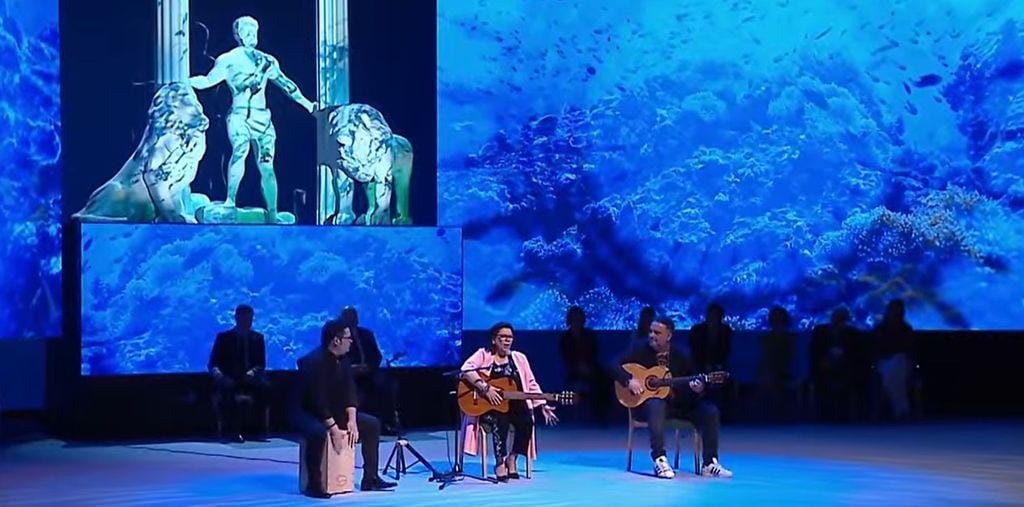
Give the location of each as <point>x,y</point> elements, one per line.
<point>153,185</point>
<point>365,150</point>
<point>247,71</point>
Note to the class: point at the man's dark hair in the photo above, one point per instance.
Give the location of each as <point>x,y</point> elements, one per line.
<point>717,308</point>
<point>574,310</point>
<point>778,312</point>
<point>499,326</point>
<point>667,322</point>
<point>329,331</point>
<point>244,310</point>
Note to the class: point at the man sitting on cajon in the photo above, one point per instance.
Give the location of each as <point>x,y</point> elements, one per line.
<point>328,405</point>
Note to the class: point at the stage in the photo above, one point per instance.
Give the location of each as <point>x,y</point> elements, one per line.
<point>975,463</point>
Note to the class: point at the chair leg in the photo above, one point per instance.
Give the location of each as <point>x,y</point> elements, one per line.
<point>529,460</point>
<point>698,449</point>
<point>679,447</point>
<point>482,439</point>
<point>629,449</point>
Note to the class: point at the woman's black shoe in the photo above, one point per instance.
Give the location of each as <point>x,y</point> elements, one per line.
<point>501,478</point>
<point>513,475</point>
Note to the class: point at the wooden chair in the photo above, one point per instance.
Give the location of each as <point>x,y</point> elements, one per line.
<point>678,425</point>
<point>481,435</point>
<point>239,399</point>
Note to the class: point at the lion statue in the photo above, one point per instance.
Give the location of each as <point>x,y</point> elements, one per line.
<point>366,151</point>
<point>153,185</point>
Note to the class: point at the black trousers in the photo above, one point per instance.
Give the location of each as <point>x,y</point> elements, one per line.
<point>498,424</point>
<point>377,395</point>
<point>704,416</point>
<point>233,413</point>
<point>315,434</point>
<point>838,398</point>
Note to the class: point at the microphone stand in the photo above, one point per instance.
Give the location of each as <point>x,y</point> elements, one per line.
<point>401,443</point>
<point>456,474</point>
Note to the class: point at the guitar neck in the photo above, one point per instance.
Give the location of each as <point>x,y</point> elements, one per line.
<point>674,381</point>
<point>519,395</point>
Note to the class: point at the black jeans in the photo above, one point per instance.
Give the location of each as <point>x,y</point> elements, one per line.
<point>498,425</point>
<point>377,395</point>
<point>226,388</point>
<point>703,415</point>
<point>315,434</point>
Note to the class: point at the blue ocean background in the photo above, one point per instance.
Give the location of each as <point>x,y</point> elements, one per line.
<point>807,153</point>
<point>155,296</point>
<point>30,172</point>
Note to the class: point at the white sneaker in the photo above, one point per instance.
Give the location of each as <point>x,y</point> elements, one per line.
<point>715,469</point>
<point>662,468</point>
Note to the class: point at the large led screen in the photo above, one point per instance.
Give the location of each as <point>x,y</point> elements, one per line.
<point>808,153</point>
<point>30,172</point>
<point>250,112</point>
<point>154,296</point>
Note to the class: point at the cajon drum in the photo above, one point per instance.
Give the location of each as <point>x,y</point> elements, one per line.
<point>337,470</point>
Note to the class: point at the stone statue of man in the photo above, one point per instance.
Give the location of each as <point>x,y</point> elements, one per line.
<point>247,70</point>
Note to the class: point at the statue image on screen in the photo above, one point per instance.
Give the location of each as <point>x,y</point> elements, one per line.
<point>362,151</point>
<point>153,185</point>
<point>246,70</point>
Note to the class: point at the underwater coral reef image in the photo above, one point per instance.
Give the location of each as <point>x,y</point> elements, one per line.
<point>30,175</point>
<point>806,153</point>
<point>155,296</point>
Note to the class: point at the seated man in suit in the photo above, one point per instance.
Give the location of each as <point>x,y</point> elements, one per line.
<point>238,362</point>
<point>685,402</point>
<point>374,385</point>
<point>327,402</point>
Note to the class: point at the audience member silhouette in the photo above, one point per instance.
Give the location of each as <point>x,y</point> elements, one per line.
<point>238,362</point>
<point>643,328</point>
<point>895,358</point>
<point>711,340</point>
<point>710,345</point>
<point>374,385</point>
<point>840,368</point>
<point>775,369</point>
<point>581,358</point>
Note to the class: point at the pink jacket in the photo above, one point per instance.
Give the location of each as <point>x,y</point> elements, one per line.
<point>481,358</point>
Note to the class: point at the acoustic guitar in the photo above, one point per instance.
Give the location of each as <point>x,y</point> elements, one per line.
<point>474,404</point>
<point>658,383</point>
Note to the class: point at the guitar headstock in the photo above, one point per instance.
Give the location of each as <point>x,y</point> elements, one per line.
<point>564,398</point>
<point>716,377</point>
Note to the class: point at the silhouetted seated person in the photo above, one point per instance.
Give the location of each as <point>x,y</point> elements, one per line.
<point>775,369</point>
<point>327,405</point>
<point>643,327</point>
<point>238,363</point>
<point>711,344</point>
<point>374,385</point>
<point>711,340</point>
<point>840,367</point>
<point>580,357</point>
<point>685,402</point>
<point>896,358</point>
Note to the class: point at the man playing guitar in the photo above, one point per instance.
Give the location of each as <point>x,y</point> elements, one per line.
<point>685,401</point>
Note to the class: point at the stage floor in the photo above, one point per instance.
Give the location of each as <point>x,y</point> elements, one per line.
<point>976,464</point>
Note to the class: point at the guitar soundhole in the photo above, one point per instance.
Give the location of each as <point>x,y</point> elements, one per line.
<point>649,383</point>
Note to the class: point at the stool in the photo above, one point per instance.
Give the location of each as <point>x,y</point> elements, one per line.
<point>337,470</point>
